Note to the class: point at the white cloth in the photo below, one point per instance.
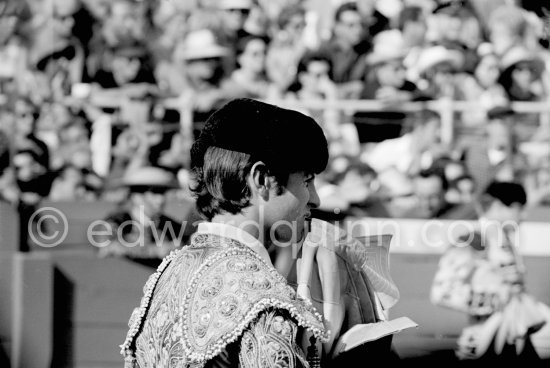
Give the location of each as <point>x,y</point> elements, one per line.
<point>235,233</point>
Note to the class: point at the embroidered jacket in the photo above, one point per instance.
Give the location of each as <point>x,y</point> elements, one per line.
<point>215,294</point>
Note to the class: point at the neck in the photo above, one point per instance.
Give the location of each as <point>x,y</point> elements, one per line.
<point>249,221</point>
<point>245,220</point>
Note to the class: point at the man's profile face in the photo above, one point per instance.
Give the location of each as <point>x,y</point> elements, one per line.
<point>286,213</point>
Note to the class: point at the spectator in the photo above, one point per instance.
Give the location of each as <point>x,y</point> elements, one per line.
<point>495,156</point>
<point>287,47</point>
<point>439,69</point>
<point>58,53</point>
<point>313,83</point>
<point>385,82</point>
<point>249,79</point>
<point>429,189</point>
<point>26,116</point>
<point>481,274</point>
<point>170,22</point>
<point>236,13</point>
<point>347,50</point>
<point>133,149</point>
<point>234,16</point>
<point>483,88</point>
<point>74,145</point>
<point>74,183</point>
<point>312,80</point>
<point>139,228</point>
<point>521,75</point>
<point>129,65</point>
<point>412,25</point>
<point>458,29</point>
<point>203,71</point>
<point>33,178</point>
<point>430,192</point>
<point>122,26</point>
<point>507,28</point>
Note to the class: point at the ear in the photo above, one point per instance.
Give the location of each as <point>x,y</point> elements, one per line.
<point>261,181</point>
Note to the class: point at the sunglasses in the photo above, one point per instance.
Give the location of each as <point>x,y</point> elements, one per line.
<point>242,11</point>
<point>148,189</point>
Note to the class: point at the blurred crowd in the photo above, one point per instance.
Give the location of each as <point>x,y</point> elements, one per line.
<point>92,90</point>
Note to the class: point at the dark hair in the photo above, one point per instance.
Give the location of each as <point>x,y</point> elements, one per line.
<point>221,184</point>
<point>241,133</point>
<point>350,6</point>
<point>304,62</point>
<point>506,192</point>
<point>287,13</point>
<point>243,42</point>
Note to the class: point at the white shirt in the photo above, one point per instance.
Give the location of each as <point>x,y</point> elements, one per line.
<point>235,233</point>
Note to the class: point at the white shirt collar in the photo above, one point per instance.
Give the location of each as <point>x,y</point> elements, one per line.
<point>235,233</point>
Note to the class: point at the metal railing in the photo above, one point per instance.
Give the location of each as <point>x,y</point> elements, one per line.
<point>446,108</point>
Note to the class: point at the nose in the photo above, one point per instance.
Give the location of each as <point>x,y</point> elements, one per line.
<point>314,200</point>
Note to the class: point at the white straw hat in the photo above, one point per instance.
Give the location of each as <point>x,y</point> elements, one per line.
<point>202,44</point>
